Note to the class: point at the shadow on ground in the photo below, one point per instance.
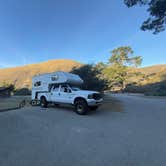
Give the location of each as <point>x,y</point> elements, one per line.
<point>110,104</point>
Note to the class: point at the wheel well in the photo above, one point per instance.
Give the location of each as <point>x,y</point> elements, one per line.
<point>42,97</point>
<point>79,98</point>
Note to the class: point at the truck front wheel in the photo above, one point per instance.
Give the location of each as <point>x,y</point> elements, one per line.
<point>43,102</point>
<point>81,107</point>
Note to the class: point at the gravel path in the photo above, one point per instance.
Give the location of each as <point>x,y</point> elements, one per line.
<point>130,133</point>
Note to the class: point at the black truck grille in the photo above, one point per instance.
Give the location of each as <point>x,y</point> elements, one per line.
<point>97,96</point>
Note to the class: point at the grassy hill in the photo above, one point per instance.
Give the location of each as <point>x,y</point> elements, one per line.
<point>22,76</point>
<point>150,80</point>
<point>153,69</point>
<point>151,74</point>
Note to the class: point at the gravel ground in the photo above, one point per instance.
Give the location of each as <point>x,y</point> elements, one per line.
<point>125,131</point>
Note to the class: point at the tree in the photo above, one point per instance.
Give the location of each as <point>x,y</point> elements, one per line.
<point>119,65</point>
<point>157,12</point>
<point>8,85</point>
<point>100,67</point>
<point>90,75</point>
<point>22,92</point>
<point>123,56</point>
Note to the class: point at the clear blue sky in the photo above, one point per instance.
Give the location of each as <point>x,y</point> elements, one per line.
<point>32,31</point>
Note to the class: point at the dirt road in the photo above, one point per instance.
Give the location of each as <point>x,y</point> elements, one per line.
<point>125,131</point>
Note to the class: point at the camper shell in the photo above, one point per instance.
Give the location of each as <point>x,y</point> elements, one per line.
<point>44,82</point>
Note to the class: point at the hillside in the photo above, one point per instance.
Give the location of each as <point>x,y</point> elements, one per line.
<point>142,82</point>
<point>153,69</point>
<point>22,76</point>
<point>149,80</point>
<point>151,74</point>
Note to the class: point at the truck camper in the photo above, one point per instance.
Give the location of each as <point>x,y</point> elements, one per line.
<point>64,88</point>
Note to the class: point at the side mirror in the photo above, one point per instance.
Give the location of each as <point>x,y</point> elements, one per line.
<point>69,90</point>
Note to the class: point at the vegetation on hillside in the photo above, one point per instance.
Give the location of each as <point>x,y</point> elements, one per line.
<point>22,92</point>
<point>120,73</point>
<point>14,91</point>
<point>7,85</point>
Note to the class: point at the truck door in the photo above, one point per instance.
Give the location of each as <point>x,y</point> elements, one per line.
<point>65,94</point>
<point>55,93</point>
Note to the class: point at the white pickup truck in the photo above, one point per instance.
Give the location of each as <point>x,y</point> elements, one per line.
<point>63,88</point>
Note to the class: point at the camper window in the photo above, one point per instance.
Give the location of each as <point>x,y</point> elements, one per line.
<point>38,83</point>
<point>54,78</point>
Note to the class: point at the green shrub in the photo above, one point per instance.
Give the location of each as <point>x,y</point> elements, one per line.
<point>22,92</point>
<point>136,89</point>
<point>158,89</point>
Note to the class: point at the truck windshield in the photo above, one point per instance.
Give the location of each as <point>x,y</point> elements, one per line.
<point>75,88</point>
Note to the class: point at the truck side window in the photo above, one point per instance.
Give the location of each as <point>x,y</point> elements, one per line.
<point>64,88</point>
<point>38,83</point>
<point>55,88</point>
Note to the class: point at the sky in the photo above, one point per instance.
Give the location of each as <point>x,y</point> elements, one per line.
<point>34,31</point>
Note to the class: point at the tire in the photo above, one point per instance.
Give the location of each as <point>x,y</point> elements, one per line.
<point>93,108</point>
<point>81,107</point>
<point>43,102</point>
<point>33,103</point>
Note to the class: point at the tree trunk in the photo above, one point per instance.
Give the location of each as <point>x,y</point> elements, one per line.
<point>123,85</point>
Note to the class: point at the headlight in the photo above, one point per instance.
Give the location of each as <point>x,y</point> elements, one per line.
<point>90,96</point>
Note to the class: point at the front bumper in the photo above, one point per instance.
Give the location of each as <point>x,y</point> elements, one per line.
<point>92,102</point>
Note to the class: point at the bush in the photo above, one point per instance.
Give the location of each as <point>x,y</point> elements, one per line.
<point>158,90</point>
<point>155,89</point>
<point>136,89</point>
<point>89,74</point>
<point>22,92</point>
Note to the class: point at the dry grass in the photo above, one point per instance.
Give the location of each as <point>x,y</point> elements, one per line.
<point>12,102</point>
<point>153,69</point>
<point>150,75</point>
<point>22,76</point>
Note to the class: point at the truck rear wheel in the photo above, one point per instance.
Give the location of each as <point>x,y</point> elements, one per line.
<point>43,102</point>
<point>81,107</point>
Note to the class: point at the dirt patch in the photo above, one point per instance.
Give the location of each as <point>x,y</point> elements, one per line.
<point>111,104</point>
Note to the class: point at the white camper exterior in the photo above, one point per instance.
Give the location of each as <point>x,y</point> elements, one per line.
<point>61,88</point>
<point>41,83</point>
